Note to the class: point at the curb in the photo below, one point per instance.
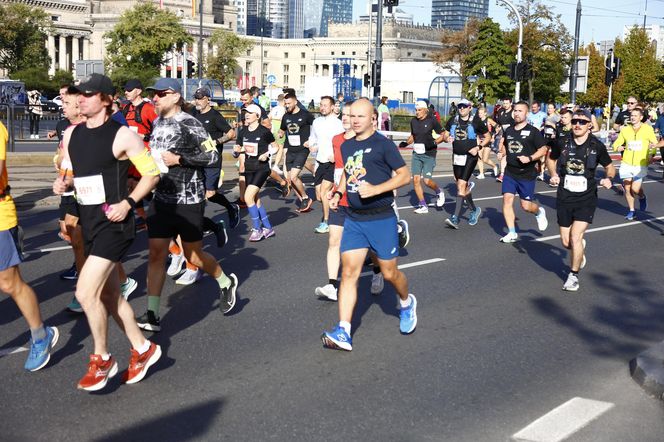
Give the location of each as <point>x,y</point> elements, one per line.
<point>647,370</point>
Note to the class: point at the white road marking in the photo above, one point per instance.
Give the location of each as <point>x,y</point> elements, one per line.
<point>52,249</point>
<point>410,264</point>
<point>563,421</point>
<point>614,226</point>
<point>11,351</point>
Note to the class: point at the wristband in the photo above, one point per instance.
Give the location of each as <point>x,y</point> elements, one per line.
<point>339,193</point>
<point>131,202</point>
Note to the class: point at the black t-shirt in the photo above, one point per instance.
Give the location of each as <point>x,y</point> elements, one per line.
<point>255,144</point>
<point>525,141</point>
<point>504,118</point>
<point>214,123</point>
<point>297,127</point>
<point>60,127</point>
<point>623,117</point>
<point>465,133</point>
<point>576,164</point>
<point>421,131</point>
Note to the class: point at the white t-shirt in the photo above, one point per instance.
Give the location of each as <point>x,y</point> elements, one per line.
<point>323,130</point>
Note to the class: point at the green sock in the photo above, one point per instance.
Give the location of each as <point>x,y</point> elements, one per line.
<point>223,280</point>
<point>153,304</point>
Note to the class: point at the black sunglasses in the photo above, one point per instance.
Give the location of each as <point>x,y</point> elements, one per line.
<point>463,106</point>
<point>580,121</point>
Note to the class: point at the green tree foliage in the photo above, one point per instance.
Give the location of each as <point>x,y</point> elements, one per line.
<point>37,78</point>
<point>223,66</point>
<point>140,41</point>
<point>641,73</point>
<point>597,93</point>
<point>22,33</point>
<point>456,47</point>
<point>487,61</point>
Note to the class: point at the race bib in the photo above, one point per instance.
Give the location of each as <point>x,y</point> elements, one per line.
<point>294,140</point>
<point>575,183</point>
<point>251,149</point>
<point>337,176</point>
<point>90,190</point>
<point>635,146</point>
<point>156,155</point>
<point>134,129</point>
<point>419,148</point>
<point>459,160</point>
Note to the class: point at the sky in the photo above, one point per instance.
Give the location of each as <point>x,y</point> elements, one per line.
<point>601,19</point>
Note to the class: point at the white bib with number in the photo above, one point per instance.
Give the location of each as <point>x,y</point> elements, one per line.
<point>156,155</point>
<point>251,149</point>
<point>576,183</point>
<point>459,160</point>
<point>90,190</point>
<point>294,140</point>
<point>419,148</point>
<point>635,145</point>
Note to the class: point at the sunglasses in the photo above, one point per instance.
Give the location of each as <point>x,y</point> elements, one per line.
<point>579,121</point>
<point>162,94</point>
<point>463,106</point>
<point>631,102</point>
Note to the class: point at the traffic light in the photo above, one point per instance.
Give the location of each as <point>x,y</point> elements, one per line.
<point>191,69</point>
<point>512,71</point>
<point>367,80</point>
<point>611,72</point>
<point>389,4</point>
<point>616,68</point>
<point>376,73</point>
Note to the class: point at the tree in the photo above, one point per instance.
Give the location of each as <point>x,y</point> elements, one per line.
<point>487,61</point>
<point>140,41</point>
<point>224,65</point>
<point>641,72</point>
<point>457,46</point>
<point>597,93</point>
<point>22,33</point>
<point>37,78</point>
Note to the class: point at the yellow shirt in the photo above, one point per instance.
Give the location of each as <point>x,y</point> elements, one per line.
<point>636,144</point>
<point>8,217</point>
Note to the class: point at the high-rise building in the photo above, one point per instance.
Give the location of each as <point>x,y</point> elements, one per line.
<point>453,14</point>
<point>335,11</point>
<point>312,14</point>
<point>241,7</point>
<point>295,18</point>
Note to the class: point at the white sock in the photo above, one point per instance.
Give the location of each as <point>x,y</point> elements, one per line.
<point>105,356</point>
<point>143,348</point>
<point>406,303</point>
<point>346,326</point>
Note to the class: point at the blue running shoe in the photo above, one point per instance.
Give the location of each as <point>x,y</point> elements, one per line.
<point>643,204</point>
<point>453,221</point>
<point>474,216</point>
<point>40,351</point>
<point>408,317</point>
<point>337,339</point>
<point>630,215</point>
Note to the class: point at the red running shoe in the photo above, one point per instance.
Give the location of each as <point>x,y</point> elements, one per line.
<point>139,364</point>
<point>99,372</point>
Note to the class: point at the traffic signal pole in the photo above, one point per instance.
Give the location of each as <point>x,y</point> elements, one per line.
<point>608,120</point>
<point>378,59</point>
<point>574,68</point>
<point>517,86</point>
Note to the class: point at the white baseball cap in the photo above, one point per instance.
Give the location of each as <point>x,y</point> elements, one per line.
<point>421,105</point>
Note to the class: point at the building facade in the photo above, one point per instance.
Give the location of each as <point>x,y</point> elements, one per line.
<point>335,11</point>
<point>453,14</point>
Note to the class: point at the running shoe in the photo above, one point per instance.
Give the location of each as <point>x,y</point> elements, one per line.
<point>540,177</point>
<point>572,284</point>
<point>149,321</point>
<point>495,171</point>
<point>630,215</point>
<point>422,209</point>
<point>268,233</point>
<point>140,224</point>
<point>377,284</point>
<point>140,363</point>
<point>584,261</point>
<point>40,351</point>
<point>74,306</point>
<point>542,222</point>
<point>480,176</point>
<point>474,216</point>
<point>337,339</point>
<point>234,216</point>
<point>322,228</point>
<point>471,185</point>
<point>175,267</point>
<point>256,235</point>
<point>128,287</point>
<point>305,205</point>
<point>63,236</point>
<point>404,233</point>
<point>189,277</point>
<point>99,372</point>
<point>286,189</point>
<point>440,201</point>
<point>327,291</point>
<point>71,274</point>
<point>510,238</point>
<point>499,178</point>
<point>408,316</point>
<point>240,203</point>
<point>220,233</point>
<point>453,221</point>
<point>227,296</point>
<point>643,204</point>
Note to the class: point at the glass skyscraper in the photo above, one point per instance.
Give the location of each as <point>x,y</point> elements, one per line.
<point>453,14</point>
<point>336,11</point>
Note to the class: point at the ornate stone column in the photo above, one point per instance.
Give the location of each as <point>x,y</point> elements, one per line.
<point>75,50</point>
<point>51,54</point>
<point>62,54</point>
<point>86,48</point>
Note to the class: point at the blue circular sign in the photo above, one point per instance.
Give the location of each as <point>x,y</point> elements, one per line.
<point>271,79</point>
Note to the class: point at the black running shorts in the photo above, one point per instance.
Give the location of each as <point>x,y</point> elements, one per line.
<point>567,214</point>
<point>465,172</point>
<point>257,177</point>
<point>170,220</point>
<point>296,160</point>
<point>324,171</point>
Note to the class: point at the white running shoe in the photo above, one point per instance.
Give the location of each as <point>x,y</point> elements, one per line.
<point>542,222</point>
<point>377,284</point>
<point>327,291</point>
<point>176,264</point>
<point>572,284</point>
<point>422,209</point>
<point>510,238</point>
<point>583,260</point>
<point>189,277</point>
<point>441,198</point>
<point>470,186</point>
<point>480,176</point>
<point>495,171</point>
<point>128,287</point>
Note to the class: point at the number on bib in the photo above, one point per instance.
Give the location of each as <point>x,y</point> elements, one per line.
<point>459,160</point>
<point>419,148</point>
<point>90,190</point>
<point>576,183</point>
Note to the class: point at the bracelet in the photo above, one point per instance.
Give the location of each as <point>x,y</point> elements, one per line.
<point>132,203</point>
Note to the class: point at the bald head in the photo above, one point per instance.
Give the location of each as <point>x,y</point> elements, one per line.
<point>361,118</point>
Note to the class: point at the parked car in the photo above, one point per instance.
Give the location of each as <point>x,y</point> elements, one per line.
<point>48,105</point>
<point>57,100</point>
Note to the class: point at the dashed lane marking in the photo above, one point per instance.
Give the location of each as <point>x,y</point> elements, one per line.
<point>411,264</point>
<point>613,226</point>
<point>11,351</point>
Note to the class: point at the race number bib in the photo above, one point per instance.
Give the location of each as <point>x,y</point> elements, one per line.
<point>251,149</point>
<point>294,140</point>
<point>459,160</point>
<point>635,146</point>
<point>156,155</point>
<point>134,129</point>
<point>419,148</point>
<point>90,190</point>
<point>575,183</point>
<point>337,175</point>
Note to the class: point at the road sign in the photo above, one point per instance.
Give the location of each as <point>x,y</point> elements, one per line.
<point>271,79</point>
<point>581,76</point>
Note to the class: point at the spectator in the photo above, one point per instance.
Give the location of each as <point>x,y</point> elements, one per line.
<point>384,114</point>
<point>35,112</point>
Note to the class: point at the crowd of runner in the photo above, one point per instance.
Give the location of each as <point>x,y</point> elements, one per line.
<point>155,164</point>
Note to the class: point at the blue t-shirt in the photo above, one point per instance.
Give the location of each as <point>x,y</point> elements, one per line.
<point>537,119</point>
<point>371,160</point>
<point>659,124</point>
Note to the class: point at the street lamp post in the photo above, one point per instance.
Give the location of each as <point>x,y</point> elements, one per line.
<point>510,5</point>
<point>200,42</point>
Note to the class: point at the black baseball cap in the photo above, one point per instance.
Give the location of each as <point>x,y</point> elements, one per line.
<point>96,83</point>
<point>133,84</point>
<point>583,113</point>
<point>202,92</point>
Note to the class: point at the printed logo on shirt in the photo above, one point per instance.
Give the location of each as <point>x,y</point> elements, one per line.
<point>355,171</point>
<point>575,166</point>
<point>515,146</point>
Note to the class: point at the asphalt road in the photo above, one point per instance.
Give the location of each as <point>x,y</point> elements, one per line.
<point>498,343</point>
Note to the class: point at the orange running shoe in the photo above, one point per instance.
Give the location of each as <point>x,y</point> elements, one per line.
<point>99,372</point>
<point>139,364</point>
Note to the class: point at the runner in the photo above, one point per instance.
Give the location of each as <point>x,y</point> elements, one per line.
<point>468,137</point>
<point>99,151</point>
<point>490,124</point>
<point>505,119</point>
<point>369,160</point>
<point>573,161</point>
<point>182,148</point>
<point>424,154</point>
<point>522,145</point>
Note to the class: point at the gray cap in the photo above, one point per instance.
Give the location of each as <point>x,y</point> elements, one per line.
<point>464,102</point>
<point>164,84</point>
<point>584,112</point>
